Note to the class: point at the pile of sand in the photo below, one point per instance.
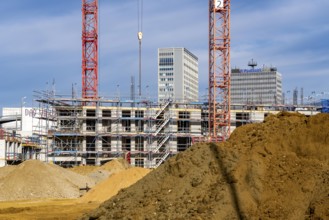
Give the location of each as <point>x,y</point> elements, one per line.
<point>4,171</point>
<point>101,173</point>
<point>83,170</point>
<point>112,185</point>
<point>35,179</point>
<point>275,170</point>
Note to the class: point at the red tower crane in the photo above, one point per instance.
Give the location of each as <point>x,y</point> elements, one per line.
<point>219,70</point>
<point>89,49</point>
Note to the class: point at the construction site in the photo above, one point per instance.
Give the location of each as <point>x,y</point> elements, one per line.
<point>180,159</point>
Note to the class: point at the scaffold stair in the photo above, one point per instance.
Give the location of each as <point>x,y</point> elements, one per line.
<point>162,108</point>
<point>162,159</point>
<point>159,128</point>
<point>161,143</point>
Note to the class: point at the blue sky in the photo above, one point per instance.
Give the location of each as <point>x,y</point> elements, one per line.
<point>40,43</point>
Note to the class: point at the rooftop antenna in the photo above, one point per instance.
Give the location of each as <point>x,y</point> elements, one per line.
<point>132,88</point>
<point>252,63</point>
<point>52,92</point>
<point>302,96</point>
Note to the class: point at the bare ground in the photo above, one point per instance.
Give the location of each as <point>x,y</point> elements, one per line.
<point>274,170</point>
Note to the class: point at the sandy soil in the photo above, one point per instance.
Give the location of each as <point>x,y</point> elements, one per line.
<point>112,177</point>
<point>111,186</point>
<point>278,169</point>
<point>68,209</point>
<point>34,179</point>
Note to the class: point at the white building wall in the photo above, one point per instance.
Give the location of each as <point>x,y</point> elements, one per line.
<point>2,153</point>
<point>30,120</point>
<point>178,75</point>
<point>256,86</point>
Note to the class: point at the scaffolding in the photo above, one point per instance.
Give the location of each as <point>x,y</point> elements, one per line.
<point>15,149</point>
<point>144,132</point>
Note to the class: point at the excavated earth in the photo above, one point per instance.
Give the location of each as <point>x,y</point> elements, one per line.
<point>278,169</point>
<point>34,179</point>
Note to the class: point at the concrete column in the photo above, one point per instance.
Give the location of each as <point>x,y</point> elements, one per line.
<point>84,127</point>
<point>132,144</point>
<point>84,149</point>
<point>98,148</point>
<point>2,153</point>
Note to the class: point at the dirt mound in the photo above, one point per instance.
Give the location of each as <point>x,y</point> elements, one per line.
<point>34,179</point>
<point>278,169</point>
<point>83,170</point>
<point>111,186</point>
<point>4,171</point>
<point>115,165</point>
<point>102,172</point>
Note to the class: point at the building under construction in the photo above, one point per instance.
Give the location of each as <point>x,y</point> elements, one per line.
<point>69,133</point>
<point>144,132</point>
<point>91,130</point>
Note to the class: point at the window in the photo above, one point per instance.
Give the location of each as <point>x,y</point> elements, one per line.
<point>139,143</point>
<point>139,162</point>
<point>106,113</point>
<point>106,145</point>
<point>91,113</point>
<point>139,125</point>
<point>139,114</point>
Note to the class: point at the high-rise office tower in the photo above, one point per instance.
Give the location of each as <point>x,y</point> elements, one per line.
<point>178,75</point>
<point>256,85</point>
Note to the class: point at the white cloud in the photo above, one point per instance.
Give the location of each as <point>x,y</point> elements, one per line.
<point>283,33</point>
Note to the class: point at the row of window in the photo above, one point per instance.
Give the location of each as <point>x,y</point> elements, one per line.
<point>190,54</point>
<point>255,94</point>
<point>166,89</point>
<point>166,79</point>
<point>251,84</point>
<point>191,74</point>
<point>191,82</point>
<point>166,60</point>
<point>190,68</point>
<point>264,79</point>
<point>192,62</point>
<point>166,69</point>
<point>166,64</point>
<point>254,86</point>
<point>166,54</point>
<point>254,74</point>
<point>166,74</point>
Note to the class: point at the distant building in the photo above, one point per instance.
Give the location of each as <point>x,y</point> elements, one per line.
<point>256,86</point>
<point>23,134</point>
<point>178,75</point>
<point>26,121</point>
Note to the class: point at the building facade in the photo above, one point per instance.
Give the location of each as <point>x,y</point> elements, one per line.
<point>261,86</point>
<point>178,75</point>
<point>23,134</point>
<point>145,134</point>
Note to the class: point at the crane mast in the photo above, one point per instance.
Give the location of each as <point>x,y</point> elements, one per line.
<point>90,49</point>
<point>219,70</point>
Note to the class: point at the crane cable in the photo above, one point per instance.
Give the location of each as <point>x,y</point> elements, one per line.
<point>140,15</point>
<point>140,36</point>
